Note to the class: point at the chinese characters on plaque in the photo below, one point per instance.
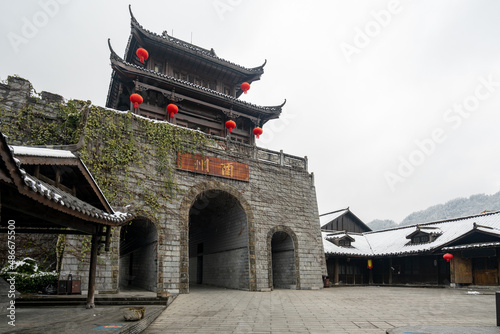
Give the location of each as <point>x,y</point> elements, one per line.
<point>212,166</point>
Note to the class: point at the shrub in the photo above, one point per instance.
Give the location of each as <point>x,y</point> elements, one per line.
<point>27,277</point>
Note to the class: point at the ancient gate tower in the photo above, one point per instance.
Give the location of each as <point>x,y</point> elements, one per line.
<point>244,217</point>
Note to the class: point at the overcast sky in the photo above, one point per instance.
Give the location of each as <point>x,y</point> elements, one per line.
<point>396,104</point>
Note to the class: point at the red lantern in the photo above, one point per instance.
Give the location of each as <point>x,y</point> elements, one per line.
<point>142,54</point>
<point>257,131</point>
<point>230,125</point>
<point>245,87</point>
<point>370,264</point>
<point>172,109</point>
<point>448,257</point>
<point>136,99</point>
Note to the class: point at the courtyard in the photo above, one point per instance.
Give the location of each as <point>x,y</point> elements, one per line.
<point>333,310</point>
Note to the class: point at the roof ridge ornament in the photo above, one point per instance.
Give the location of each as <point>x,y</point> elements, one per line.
<point>113,54</point>
<point>132,17</point>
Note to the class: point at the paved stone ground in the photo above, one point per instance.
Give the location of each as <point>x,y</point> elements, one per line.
<point>333,310</point>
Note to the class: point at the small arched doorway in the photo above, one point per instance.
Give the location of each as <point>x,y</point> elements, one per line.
<point>218,241</point>
<point>283,266</point>
<point>139,256</point>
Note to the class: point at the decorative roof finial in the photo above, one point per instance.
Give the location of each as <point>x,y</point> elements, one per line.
<point>131,14</point>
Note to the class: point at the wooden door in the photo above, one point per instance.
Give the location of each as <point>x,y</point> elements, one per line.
<point>461,270</point>
<point>485,271</point>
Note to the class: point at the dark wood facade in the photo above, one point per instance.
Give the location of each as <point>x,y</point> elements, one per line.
<point>474,248</point>
<point>345,220</point>
<point>203,86</point>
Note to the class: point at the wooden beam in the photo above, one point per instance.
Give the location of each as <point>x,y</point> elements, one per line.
<point>336,272</point>
<point>92,271</point>
<point>51,215</point>
<point>45,231</point>
<point>184,97</point>
<point>390,270</point>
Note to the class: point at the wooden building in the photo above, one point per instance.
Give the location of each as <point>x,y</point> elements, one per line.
<point>204,87</point>
<point>414,254</point>
<point>51,191</point>
<point>343,220</point>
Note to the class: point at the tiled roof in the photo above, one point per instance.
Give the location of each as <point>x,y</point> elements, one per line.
<point>47,194</point>
<point>64,199</point>
<point>394,241</point>
<point>267,109</point>
<point>165,38</point>
<point>475,245</point>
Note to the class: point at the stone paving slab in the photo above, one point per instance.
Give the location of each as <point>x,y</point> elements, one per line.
<point>335,310</point>
<point>444,330</point>
<point>76,320</point>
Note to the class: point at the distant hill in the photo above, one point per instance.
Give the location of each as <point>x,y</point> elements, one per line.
<point>378,224</point>
<point>458,207</point>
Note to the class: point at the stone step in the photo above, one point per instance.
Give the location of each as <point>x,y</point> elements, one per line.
<point>74,301</point>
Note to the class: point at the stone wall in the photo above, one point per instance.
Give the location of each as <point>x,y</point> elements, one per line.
<point>283,261</point>
<point>280,194</point>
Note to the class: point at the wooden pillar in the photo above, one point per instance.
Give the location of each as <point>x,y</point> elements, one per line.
<point>390,270</point>
<point>336,271</point>
<point>93,268</point>
<point>108,239</point>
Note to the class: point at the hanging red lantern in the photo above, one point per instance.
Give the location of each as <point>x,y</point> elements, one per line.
<point>172,109</point>
<point>230,125</point>
<point>257,131</point>
<point>370,264</point>
<point>245,87</point>
<point>136,99</point>
<point>142,54</point>
<point>448,257</point>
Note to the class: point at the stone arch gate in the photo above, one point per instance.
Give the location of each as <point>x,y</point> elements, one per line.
<point>217,238</point>
<point>139,259</point>
<point>283,259</point>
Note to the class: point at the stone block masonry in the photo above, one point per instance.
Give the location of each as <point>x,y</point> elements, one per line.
<point>233,220</point>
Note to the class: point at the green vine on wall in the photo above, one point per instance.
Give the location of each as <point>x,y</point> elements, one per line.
<point>35,128</point>
<point>120,150</point>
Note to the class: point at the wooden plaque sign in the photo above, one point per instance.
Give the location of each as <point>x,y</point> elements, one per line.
<point>212,166</point>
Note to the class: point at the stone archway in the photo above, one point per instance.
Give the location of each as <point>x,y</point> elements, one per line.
<point>138,257</point>
<point>217,212</point>
<point>283,260</point>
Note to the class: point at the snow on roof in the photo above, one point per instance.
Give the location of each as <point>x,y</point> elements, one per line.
<point>42,152</point>
<point>359,246</point>
<point>394,241</point>
<point>326,218</point>
<point>476,245</point>
<point>62,198</point>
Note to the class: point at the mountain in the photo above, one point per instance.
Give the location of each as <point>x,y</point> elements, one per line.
<point>458,207</point>
<point>379,224</point>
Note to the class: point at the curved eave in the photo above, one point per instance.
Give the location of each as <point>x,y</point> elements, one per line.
<point>209,55</point>
<point>54,198</point>
<point>123,67</point>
